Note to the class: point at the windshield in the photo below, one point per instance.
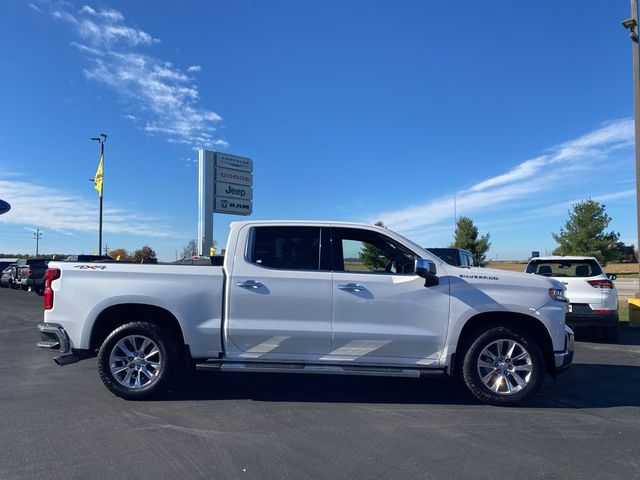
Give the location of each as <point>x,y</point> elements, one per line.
<point>565,268</point>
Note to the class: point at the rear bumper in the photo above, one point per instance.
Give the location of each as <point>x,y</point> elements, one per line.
<point>53,337</point>
<point>594,319</point>
<point>564,359</point>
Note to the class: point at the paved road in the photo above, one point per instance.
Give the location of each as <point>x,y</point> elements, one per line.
<point>61,423</point>
<point>626,288</point>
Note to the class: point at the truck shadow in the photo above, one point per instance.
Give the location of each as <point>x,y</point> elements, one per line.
<point>628,335</point>
<point>583,386</point>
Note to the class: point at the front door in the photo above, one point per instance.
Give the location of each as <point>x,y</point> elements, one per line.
<point>382,312</point>
<point>280,295</point>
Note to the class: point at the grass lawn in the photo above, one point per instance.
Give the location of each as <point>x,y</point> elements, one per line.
<point>623,309</point>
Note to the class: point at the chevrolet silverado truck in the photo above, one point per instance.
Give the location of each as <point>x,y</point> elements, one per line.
<point>310,297</point>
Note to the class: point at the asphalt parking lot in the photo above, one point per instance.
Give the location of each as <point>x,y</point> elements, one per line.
<point>60,422</point>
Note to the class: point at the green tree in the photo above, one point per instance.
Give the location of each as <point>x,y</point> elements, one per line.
<point>372,256</point>
<point>624,253</point>
<point>466,237</point>
<point>584,233</point>
<point>124,255</point>
<point>145,255</point>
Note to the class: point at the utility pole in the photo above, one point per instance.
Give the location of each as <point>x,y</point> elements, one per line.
<point>37,235</point>
<point>455,217</point>
<point>99,183</point>
<point>632,25</point>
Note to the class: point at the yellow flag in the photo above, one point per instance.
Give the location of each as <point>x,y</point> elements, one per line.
<point>212,251</point>
<point>118,258</point>
<point>97,180</point>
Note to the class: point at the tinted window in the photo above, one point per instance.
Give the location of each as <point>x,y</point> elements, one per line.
<point>449,255</point>
<point>289,248</point>
<point>370,252</point>
<point>565,268</point>
<point>469,260</point>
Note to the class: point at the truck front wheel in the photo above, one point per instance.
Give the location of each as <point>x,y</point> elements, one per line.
<point>138,360</point>
<point>503,366</point>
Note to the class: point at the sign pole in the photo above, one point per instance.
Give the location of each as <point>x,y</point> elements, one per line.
<point>205,201</point>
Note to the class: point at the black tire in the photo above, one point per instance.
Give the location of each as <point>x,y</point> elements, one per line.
<point>471,374</point>
<point>168,353</point>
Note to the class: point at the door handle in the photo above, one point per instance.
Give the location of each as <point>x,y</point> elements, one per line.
<point>352,287</point>
<point>250,284</point>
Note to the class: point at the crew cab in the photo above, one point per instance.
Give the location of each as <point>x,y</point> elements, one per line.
<point>310,297</point>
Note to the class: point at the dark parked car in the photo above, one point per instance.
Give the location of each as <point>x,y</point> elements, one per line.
<point>5,262</point>
<point>30,274</point>
<point>457,257</point>
<point>8,277</point>
<point>89,258</point>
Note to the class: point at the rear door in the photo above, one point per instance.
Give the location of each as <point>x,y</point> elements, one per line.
<point>382,312</point>
<point>280,294</point>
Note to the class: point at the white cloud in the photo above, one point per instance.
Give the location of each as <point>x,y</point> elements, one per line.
<point>155,89</point>
<point>532,176</point>
<point>47,207</point>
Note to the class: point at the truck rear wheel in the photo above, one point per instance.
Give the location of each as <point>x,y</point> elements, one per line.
<point>503,366</point>
<point>138,360</point>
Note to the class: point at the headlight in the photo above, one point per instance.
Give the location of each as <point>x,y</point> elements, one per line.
<point>557,294</point>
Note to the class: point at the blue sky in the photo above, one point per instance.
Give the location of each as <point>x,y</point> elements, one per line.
<point>351,110</point>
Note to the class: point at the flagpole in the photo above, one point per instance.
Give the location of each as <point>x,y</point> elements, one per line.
<point>101,139</point>
<point>101,194</point>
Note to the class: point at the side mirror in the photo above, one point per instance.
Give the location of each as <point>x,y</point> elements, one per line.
<point>427,270</point>
<point>612,276</point>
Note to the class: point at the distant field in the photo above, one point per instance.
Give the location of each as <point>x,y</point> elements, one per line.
<point>620,269</point>
<point>513,266</point>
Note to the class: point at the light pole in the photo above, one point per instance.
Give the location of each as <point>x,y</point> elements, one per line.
<point>37,236</point>
<point>632,25</point>
<point>99,184</point>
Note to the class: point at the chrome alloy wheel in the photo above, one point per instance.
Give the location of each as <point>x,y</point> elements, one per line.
<point>135,362</point>
<point>505,367</point>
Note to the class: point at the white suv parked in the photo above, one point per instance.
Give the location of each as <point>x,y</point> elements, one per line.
<point>593,300</point>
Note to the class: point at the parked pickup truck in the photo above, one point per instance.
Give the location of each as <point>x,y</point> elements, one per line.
<point>310,297</point>
<point>30,274</point>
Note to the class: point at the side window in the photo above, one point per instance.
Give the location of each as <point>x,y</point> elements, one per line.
<point>469,260</point>
<point>370,252</point>
<point>287,248</point>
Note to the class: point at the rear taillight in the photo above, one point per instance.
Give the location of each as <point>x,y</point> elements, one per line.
<point>600,283</point>
<point>50,275</point>
<point>30,273</point>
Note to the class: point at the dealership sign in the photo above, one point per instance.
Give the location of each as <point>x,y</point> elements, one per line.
<point>224,160</point>
<point>224,189</point>
<point>233,176</point>
<point>233,206</point>
<point>225,185</point>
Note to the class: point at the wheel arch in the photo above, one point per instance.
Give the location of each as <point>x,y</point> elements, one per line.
<point>486,320</point>
<point>117,315</point>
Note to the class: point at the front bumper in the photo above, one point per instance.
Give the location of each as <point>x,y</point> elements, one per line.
<point>564,359</point>
<point>53,337</point>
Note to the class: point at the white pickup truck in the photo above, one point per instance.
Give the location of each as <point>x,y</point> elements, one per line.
<point>310,297</point>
